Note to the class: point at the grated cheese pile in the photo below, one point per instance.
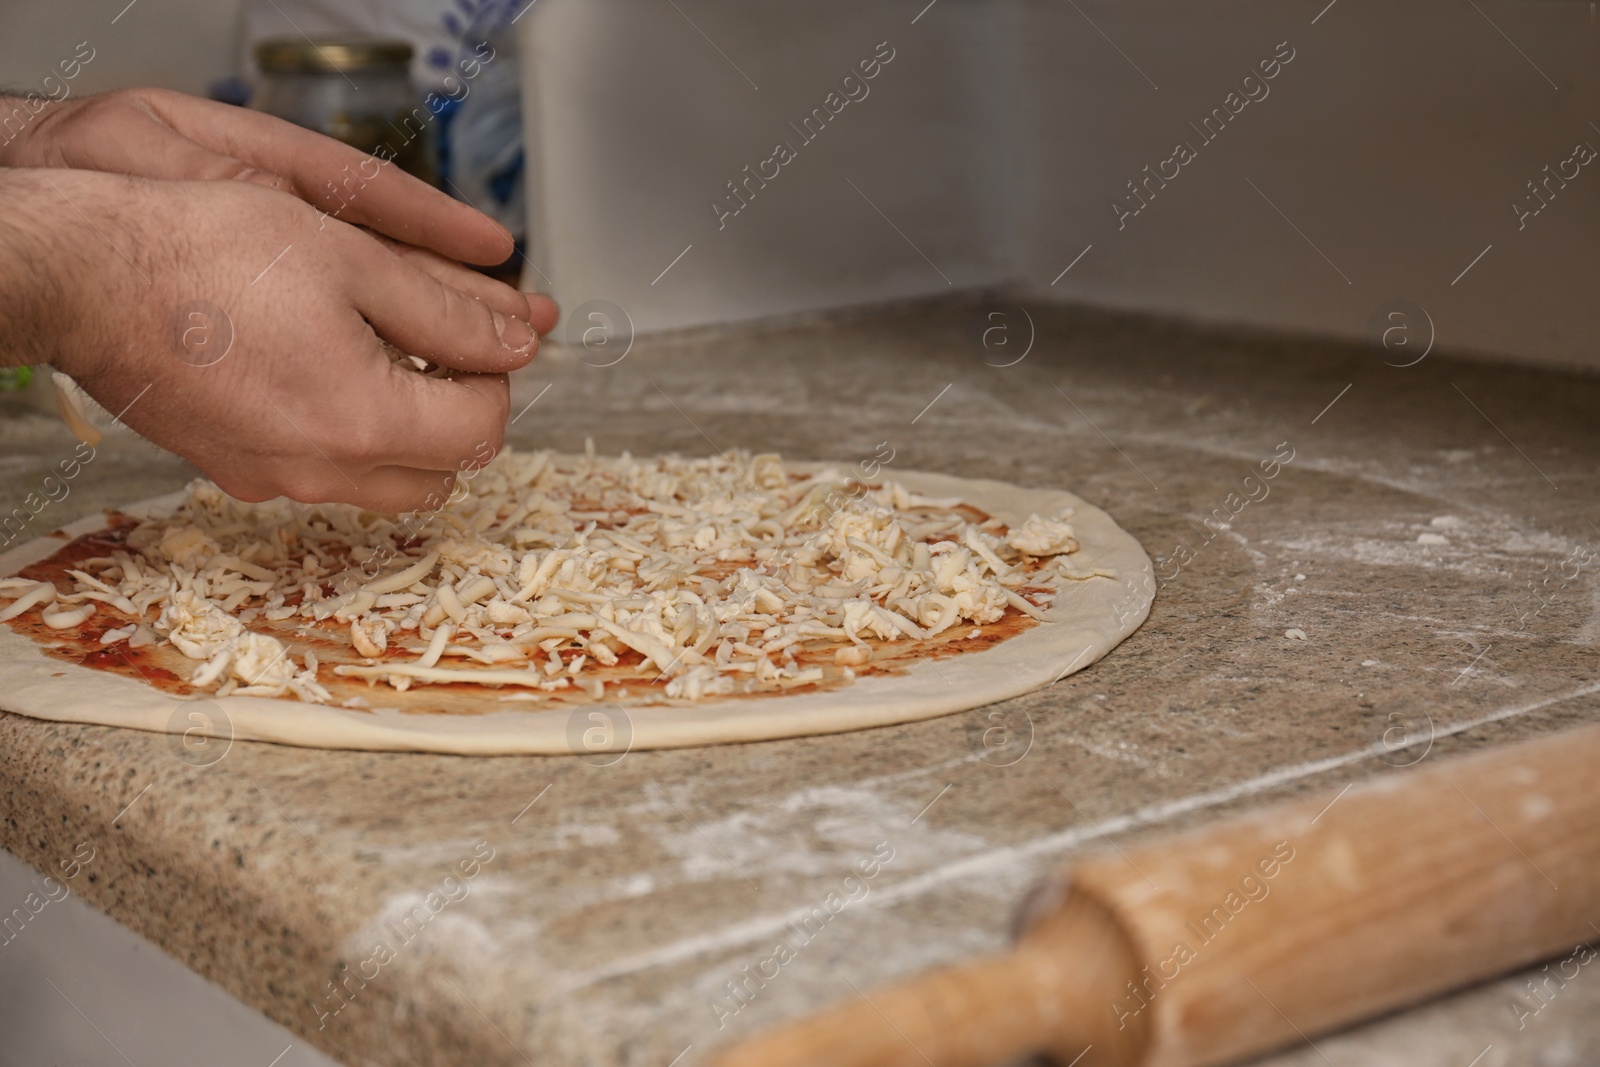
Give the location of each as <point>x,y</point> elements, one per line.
<point>543,568</point>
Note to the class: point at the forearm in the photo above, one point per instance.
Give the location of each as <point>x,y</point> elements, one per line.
<point>41,246</point>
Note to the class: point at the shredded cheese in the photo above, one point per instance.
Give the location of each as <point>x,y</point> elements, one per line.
<point>718,573</point>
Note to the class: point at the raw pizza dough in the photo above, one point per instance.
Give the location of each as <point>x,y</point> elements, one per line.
<point>1086,621</point>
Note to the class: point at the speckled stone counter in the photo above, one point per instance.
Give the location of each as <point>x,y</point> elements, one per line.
<point>557,911</point>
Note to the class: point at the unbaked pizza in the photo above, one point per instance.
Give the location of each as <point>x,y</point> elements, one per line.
<point>734,597</point>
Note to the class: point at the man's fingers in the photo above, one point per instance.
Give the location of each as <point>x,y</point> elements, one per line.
<point>538,309</point>
<point>542,313</point>
<point>440,424</point>
<point>385,488</point>
<point>419,314</point>
<point>396,489</point>
<point>497,295</point>
<point>390,489</point>
<point>148,148</point>
<point>352,185</point>
<point>488,412</point>
<point>397,448</point>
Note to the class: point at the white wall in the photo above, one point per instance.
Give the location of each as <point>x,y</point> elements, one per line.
<point>638,122</point>
<point>1396,141</point>
<point>177,44</point>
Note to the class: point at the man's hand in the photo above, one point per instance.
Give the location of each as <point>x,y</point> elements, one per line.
<point>102,276</point>
<point>156,133</point>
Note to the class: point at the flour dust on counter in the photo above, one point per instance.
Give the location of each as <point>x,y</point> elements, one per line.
<point>570,604</point>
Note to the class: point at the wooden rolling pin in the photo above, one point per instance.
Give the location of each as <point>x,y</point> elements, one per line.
<point>1261,932</point>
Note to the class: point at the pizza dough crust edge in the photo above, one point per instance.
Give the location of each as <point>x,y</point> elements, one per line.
<point>1088,619</point>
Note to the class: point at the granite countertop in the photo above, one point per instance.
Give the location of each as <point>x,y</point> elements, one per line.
<point>558,911</point>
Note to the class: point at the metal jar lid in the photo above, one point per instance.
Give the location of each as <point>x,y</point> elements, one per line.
<point>332,55</point>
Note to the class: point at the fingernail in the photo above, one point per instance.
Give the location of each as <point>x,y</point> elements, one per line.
<point>514,333</point>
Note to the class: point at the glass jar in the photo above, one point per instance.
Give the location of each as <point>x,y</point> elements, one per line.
<point>354,89</point>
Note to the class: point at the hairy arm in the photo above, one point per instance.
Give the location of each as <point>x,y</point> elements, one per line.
<point>37,252</point>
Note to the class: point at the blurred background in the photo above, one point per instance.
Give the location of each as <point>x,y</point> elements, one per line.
<point>1425,155</point>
